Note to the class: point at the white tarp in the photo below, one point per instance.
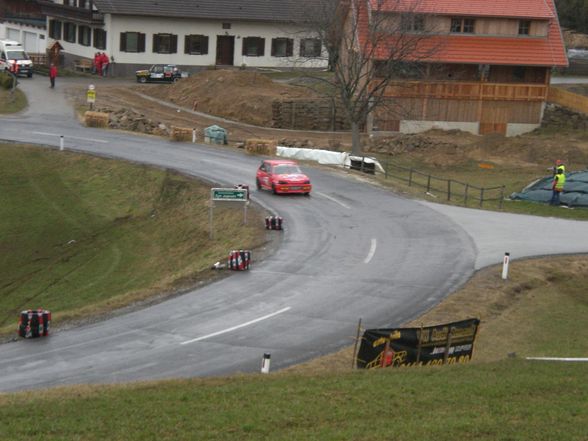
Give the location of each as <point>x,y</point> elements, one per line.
<point>326,157</point>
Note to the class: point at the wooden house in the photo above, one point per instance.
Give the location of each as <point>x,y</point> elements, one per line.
<point>487,66</point>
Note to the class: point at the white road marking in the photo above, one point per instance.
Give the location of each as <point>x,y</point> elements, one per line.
<point>334,200</point>
<point>242,325</point>
<point>72,137</point>
<point>372,251</point>
<point>556,359</point>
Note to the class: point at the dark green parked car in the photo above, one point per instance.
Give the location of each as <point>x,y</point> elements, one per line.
<point>165,73</point>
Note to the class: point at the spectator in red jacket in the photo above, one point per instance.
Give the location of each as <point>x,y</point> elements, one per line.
<point>52,74</point>
<point>105,63</point>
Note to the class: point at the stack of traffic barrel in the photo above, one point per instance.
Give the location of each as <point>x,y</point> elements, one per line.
<point>239,260</point>
<point>273,222</point>
<point>34,323</point>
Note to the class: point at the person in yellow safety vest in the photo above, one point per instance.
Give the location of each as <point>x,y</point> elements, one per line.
<point>558,164</point>
<point>559,181</point>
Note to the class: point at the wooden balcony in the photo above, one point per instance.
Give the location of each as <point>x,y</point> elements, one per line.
<point>71,13</point>
<point>483,91</point>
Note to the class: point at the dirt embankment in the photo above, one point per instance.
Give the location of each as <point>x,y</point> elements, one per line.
<point>237,95</point>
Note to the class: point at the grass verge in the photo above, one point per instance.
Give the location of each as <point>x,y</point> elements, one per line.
<point>82,235</point>
<point>12,102</point>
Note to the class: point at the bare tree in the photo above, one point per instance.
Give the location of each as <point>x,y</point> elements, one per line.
<point>369,44</point>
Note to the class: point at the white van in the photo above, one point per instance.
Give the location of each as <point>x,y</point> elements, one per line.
<point>12,52</point>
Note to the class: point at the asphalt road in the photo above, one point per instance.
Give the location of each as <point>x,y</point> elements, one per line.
<point>349,251</point>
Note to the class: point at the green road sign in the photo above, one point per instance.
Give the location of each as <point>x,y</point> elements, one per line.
<point>228,194</point>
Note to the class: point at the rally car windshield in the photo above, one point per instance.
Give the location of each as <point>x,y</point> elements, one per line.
<point>286,170</point>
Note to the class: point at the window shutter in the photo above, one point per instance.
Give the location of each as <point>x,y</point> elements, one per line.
<point>174,44</point>
<point>273,47</point>
<point>289,47</point>
<point>141,43</point>
<point>187,44</point>
<point>204,45</point>
<point>123,41</point>
<point>155,43</point>
<point>261,47</point>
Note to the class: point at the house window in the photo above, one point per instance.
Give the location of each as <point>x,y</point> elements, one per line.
<point>196,45</point>
<point>84,35</point>
<point>132,42</point>
<point>518,73</point>
<point>412,23</point>
<point>462,25</point>
<point>99,38</point>
<point>310,47</point>
<point>282,47</point>
<point>69,32</point>
<point>55,29</point>
<point>524,27</point>
<point>253,46</point>
<point>165,43</point>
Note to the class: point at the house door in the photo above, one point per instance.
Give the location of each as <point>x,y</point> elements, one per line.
<point>225,48</point>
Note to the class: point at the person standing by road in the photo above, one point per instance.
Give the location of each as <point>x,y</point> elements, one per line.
<point>105,63</point>
<point>52,74</point>
<point>559,180</point>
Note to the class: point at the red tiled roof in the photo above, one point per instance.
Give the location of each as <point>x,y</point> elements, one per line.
<point>482,8</point>
<point>484,50</point>
<point>472,49</point>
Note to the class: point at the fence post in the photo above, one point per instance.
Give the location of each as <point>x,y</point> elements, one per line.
<point>429,184</point>
<point>354,359</point>
<point>410,177</point>
<point>481,197</point>
<point>501,197</point>
<point>449,189</point>
<point>465,196</point>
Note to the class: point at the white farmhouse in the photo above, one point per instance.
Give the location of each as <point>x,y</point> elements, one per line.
<point>189,33</point>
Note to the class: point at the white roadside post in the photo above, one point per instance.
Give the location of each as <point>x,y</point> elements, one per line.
<point>61,143</point>
<point>265,363</point>
<point>193,136</point>
<point>505,266</point>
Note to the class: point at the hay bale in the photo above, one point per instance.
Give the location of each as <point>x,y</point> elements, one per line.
<point>181,134</point>
<point>261,146</point>
<point>96,119</point>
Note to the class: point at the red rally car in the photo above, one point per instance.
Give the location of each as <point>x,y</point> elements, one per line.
<point>282,176</point>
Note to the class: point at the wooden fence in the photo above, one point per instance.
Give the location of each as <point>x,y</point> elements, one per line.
<point>567,99</point>
<point>449,189</point>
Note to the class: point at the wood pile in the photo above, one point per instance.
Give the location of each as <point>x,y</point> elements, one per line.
<point>309,114</point>
<point>181,134</point>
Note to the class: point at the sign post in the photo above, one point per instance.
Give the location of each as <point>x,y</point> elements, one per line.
<point>228,195</point>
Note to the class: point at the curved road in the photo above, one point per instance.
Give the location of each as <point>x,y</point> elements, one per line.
<point>349,251</point>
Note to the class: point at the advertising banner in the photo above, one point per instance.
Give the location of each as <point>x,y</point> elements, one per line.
<point>441,344</point>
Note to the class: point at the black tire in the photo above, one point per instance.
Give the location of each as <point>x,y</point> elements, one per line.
<point>30,75</point>
<point>307,194</point>
<point>142,80</point>
<point>274,191</point>
<point>258,184</point>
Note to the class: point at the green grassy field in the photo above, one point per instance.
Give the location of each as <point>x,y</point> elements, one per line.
<point>12,103</point>
<point>510,400</point>
<point>82,235</point>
